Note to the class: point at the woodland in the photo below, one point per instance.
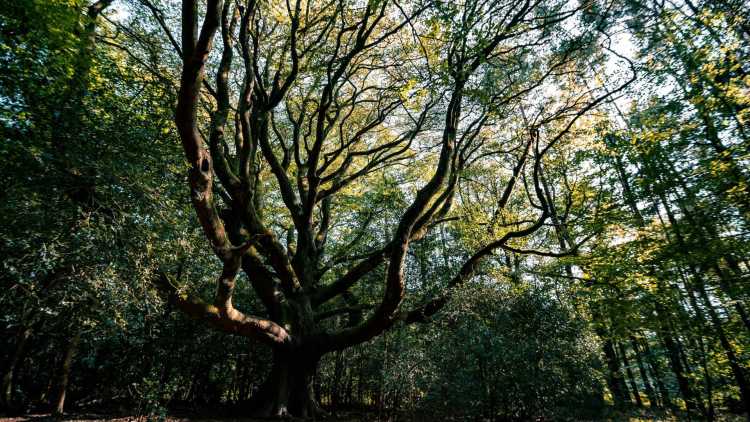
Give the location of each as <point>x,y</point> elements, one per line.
<point>486,210</point>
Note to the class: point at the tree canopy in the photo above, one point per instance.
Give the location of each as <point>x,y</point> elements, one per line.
<point>497,209</point>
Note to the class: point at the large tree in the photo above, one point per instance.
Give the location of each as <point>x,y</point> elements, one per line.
<point>298,110</point>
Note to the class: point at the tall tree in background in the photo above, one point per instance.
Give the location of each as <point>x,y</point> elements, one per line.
<point>75,125</point>
<point>676,160</point>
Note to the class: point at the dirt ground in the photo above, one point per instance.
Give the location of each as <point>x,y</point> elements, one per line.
<point>109,418</point>
<point>93,417</point>
<point>348,417</point>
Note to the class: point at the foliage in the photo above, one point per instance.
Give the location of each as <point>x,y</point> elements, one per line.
<point>457,209</point>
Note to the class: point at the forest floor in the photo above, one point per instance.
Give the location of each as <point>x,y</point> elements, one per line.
<point>93,417</point>
<point>342,417</point>
<point>108,418</point>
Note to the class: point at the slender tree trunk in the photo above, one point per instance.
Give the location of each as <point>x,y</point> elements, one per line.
<point>736,176</point>
<point>707,230</point>
<point>666,400</point>
<point>338,380</point>
<point>23,336</point>
<point>631,378</point>
<point>64,376</point>
<point>688,368</point>
<point>726,287</point>
<point>737,369</point>
<point>628,191</point>
<point>711,414</point>
<point>677,367</point>
<point>614,376</point>
<point>650,393</point>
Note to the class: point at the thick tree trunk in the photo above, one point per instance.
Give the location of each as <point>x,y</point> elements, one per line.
<point>288,390</point>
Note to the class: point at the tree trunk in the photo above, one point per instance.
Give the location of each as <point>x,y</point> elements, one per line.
<point>24,333</point>
<point>679,372</point>
<point>614,377</point>
<point>62,383</point>
<point>711,413</point>
<point>631,377</point>
<point>727,288</point>
<point>653,364</point>
<point>337,381</point>
<point>673,352</point>
<point>288,390</point>
<point>650,393</point>
<point>734,364</point>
